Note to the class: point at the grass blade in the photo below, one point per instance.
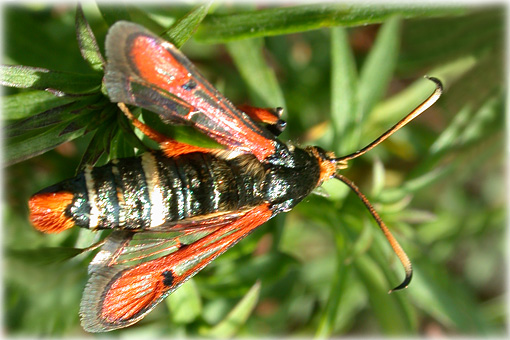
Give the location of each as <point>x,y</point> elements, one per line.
<point>229,326</point>
<point>344,88</point>
<point>184,28</point>
<point>379,66</point>
<point>285,20</point>
<point>87,42</point>
<point>184,304</point>
<point>112,14</point>
<point>25,104</point>
<point>60,83</point>
<point>261,79</point>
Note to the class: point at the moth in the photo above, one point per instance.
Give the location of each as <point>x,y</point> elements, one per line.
<point>176,209</point>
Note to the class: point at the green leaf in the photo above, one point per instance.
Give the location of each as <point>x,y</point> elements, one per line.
<point>394,108</point>
<point>183,29</point>
<point>45,256</point>
<point>230,326</point>
<point>185,134</point>
<point>184,304</point>
<point>112,14</point>
<point>22,105</point>
<point>482,120</point>
<point>219,28</point>
<point>126,139</point>
<point>454,307</point>
<point>41,120</point>
<point>21,149</point>
<point>345,113</point>
<point>60,83</point>
<point>59,114</point>
<point>267,268</point>
<point>336,294</point>
<point>261,79</point>
<point>378,178</point>
<point>87,42</point>
<point>38,141</point>
<point>449,138</point>
<point>436,41</point>
<point>99,144</point>
<point>391,311</point>
<point>379,66</point>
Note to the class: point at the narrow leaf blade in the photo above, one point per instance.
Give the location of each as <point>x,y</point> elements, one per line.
<point>249,59</point>
<point>60,83</point>
<point>112,14</point>
<point>379,66</point>
<point>284,20</point>
<point>185,304</point>
<point>22,105</point>
<point>184,28</point>
<point>344,88</point>
<point>229,326</point>
<point>87,42</point>
<point>45,256</point>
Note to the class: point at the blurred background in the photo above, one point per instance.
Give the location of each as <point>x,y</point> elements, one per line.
<point>323,269</point>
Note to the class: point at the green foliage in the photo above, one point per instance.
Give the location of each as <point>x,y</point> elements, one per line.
<point>223,27</point>
<point>259,77</point>
<point>324,269</point>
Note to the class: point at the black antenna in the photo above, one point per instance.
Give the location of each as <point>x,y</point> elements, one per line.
<point>415,113</point>
<point>402,256</point>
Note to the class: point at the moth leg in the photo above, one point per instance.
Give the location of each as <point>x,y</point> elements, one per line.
<point>170,146</point>
<point>269,116</point>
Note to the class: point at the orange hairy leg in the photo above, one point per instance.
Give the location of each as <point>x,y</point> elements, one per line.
<point>170,146</point>
<point>263,115</point>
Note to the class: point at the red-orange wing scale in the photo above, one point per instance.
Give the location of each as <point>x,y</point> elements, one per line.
<point>146,71</point>
<point>133,272</point>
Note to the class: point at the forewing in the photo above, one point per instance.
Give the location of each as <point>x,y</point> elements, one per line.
<point>146,71</point>
<point>133,272</point>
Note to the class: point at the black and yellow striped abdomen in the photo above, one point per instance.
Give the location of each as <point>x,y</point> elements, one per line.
<point>151,190</point>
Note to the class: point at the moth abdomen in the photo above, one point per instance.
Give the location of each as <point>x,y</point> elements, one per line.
<point>147,191</point>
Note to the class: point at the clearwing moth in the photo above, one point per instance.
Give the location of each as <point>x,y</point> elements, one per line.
<point>176,209</point>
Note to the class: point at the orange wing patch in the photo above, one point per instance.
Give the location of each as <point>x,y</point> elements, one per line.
<point>119,295</point>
